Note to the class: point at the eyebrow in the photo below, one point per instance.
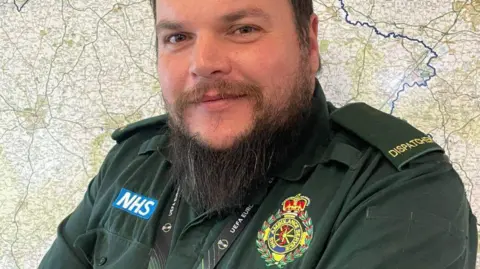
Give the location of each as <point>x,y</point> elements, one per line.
<point>244,13</point>
<point>227,18</point>
<point>168,25</point>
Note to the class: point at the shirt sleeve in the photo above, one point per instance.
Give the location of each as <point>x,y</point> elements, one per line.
<point>414,219</point>
<point>62,253</point>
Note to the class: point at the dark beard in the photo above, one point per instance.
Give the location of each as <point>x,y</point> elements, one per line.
<point>223,181</point>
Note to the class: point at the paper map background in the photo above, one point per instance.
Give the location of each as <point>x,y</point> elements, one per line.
<point>73,71</point>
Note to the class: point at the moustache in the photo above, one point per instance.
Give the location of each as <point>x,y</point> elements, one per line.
<point>225,89</point>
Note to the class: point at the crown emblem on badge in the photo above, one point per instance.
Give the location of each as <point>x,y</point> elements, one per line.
<point>287,234</point>
<point>295,204</point>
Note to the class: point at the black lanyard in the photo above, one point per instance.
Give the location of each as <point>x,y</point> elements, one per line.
<point>214,254</point>
<point>164,233</point>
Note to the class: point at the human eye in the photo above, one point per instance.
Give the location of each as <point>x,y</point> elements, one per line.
<point>245,30</point>
<point>175,38</point>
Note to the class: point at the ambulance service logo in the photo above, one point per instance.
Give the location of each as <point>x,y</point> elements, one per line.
<point>287,234</point>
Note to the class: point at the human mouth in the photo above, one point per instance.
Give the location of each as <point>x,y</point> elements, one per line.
<point>217,102</point>
<point>218,97</point>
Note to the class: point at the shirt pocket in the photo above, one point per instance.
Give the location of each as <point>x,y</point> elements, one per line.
<point>105,250</point>
<point>409,239</point>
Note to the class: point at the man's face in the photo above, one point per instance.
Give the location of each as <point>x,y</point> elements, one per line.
<point>223,65</point>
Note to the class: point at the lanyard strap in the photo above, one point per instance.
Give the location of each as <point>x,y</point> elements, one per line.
<point>164,233</point>
<point>214,254</point>
<point>230,232</point>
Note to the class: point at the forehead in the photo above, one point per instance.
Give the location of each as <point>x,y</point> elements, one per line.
<point>198,10</point>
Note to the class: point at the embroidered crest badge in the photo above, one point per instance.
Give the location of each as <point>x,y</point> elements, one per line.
<point>287,234</point>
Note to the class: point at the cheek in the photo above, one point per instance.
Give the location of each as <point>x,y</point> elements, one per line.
<point>269,64</point>
<point>168,98</point>
<point>276,76</point>
<point>171,79</point>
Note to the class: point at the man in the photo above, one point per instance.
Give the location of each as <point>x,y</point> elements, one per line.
<point>252,168</point>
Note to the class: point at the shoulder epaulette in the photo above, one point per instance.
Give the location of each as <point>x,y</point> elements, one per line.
<point>128,130</point>
<point>399,141</point>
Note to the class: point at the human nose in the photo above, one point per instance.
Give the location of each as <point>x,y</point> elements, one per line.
<point>209,58</point>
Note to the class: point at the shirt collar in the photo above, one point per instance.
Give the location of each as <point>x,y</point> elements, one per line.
<point>312,142</point>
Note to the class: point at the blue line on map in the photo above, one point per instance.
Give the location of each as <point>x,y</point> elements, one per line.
<point>395,35</point>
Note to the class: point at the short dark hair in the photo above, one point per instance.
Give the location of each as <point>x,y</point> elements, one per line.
<point>302,10</point>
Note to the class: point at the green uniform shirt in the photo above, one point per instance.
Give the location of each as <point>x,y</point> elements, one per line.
<point>362,190</point>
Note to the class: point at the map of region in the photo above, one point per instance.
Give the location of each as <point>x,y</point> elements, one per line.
<point>71,72</point>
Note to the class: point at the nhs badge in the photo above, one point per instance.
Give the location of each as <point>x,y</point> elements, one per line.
<point>135,204</point>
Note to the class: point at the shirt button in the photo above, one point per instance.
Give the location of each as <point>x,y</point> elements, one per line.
<point>102,261</point>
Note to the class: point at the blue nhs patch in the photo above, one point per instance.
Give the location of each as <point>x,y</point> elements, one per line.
<point>135,204</point>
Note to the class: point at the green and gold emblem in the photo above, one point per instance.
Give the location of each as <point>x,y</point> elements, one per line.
<point>287,234</point>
